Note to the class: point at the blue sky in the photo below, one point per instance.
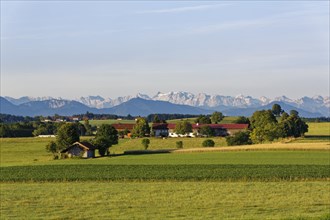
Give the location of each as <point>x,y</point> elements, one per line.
<point>109,48</point>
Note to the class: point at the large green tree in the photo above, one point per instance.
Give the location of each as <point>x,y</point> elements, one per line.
<point>277,110</point>
<point>203,119</point>
<point>88,128</point>
<point>206,131</point>
<point>216,117</point>
<point>292,126</point>
<point>106,136</point>
<point>239,138</point>
<point>265,127</point>
<point>141,128</point>
<point>67,134</point>
<point>183,127</point>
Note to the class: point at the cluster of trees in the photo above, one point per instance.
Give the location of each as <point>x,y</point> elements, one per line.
<point>35,128</point>
<point>268,125</point>
<point>6,118</point>
<point>165,117</point>
<point>215,118</point>
<point>69,133</point>
<point>18,129</point>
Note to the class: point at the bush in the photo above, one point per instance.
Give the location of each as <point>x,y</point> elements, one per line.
<point>208,143</point>
<point>240,138</point>
<point>145,142</point>
<point>179,144</point>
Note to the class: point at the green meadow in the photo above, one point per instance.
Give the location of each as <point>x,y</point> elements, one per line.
<point>263,181</point>
<point>165,200</point>
<point>318,129</point>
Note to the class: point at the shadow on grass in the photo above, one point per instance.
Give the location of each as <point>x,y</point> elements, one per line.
<point>318,137</point>
<point>138,152</point>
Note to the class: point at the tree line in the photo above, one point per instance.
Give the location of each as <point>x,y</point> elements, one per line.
<point>269,125</point>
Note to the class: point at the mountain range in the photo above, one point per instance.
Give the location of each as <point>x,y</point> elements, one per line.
<point>172,102</point>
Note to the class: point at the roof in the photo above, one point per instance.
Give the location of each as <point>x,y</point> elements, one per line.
<point>160,126</point>
<point>123,126</point>
<point>84,145</point>
<point>156,126</point>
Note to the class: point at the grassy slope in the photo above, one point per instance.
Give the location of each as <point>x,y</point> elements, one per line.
<point>161,200</point>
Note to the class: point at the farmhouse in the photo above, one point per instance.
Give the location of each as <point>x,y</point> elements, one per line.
<point>164,130</point>
<point>83,149</point>
<point>160,129</point>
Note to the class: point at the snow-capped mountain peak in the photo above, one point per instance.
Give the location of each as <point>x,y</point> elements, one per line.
<point>315,104</point>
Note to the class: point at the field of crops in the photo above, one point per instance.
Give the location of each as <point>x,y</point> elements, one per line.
<point>196,172</point>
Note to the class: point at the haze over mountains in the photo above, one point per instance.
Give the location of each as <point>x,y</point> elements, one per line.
<point>172,102</point>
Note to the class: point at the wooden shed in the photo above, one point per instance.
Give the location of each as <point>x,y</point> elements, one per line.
<point>81,149</point>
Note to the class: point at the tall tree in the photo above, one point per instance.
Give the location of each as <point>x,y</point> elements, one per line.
<point>106,136</point>
<point>67,134</point>
<point>265,127</point>
<point>206,131</point>
<point>277,110</point>
<point>294,112</point>
<point>88,128</point>
<point>203,119</point>
<point>183,127</point>
<point>156,119</point>
<point>216,117</point>
<point>141,128</point>
<point>293,126</point>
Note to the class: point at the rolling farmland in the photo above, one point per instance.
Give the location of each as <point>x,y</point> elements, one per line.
<point>284,180</point>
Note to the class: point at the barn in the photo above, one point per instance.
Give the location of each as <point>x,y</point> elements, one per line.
<point>81,149</point>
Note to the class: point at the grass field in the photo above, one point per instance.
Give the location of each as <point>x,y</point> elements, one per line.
<point>165,200</point>
<point>318,129</point>
<point>31,151</point>
<point>109,121</point>
<point>284,180</point>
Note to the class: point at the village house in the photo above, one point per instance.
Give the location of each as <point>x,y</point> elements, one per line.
<point>164,130</point>
<point>80,149</point>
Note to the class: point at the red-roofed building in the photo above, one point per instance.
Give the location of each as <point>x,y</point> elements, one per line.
<point>164,130</point>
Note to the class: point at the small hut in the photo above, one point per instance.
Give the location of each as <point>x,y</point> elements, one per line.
<point>81,149</point>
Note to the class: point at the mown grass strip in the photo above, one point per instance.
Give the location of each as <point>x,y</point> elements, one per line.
<point>196,172</point>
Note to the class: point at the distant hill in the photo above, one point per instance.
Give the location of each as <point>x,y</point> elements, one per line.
<point>135,106</point>
<point>45,108</point>
<point>7,107</point>
<point>143,107</point>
